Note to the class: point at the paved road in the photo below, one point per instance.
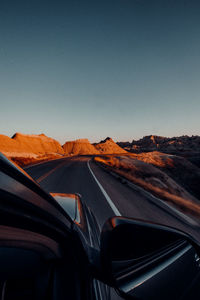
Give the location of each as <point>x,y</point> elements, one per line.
<point>105,194</point>
<point>76,174</point>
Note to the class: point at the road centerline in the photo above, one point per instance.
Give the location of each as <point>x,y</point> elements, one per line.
<point>110,202</point>
<point>48,173</point>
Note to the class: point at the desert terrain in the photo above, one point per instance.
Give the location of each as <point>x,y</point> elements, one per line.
<point>168,168</point>
<point>185,146</point>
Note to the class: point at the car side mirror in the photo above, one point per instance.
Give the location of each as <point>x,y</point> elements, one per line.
<point>148,261</point>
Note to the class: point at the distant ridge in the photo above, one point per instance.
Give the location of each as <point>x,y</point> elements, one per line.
<point>179,144</point>
<point>105,140</point>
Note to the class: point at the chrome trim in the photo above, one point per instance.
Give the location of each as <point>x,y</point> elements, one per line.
<point>129,286</point>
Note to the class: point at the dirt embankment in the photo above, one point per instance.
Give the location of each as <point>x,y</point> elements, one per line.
<point>25,161</point>
<point>178,168</point>
<point>160,174</point>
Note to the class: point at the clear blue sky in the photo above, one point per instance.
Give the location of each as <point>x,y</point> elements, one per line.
<point>92,69</point>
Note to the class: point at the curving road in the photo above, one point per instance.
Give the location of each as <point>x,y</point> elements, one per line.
<point>105,194</point>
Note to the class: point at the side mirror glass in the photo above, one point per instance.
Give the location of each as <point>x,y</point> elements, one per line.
<point>148,261</point>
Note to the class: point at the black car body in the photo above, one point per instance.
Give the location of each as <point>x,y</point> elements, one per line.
<point>51,248</point>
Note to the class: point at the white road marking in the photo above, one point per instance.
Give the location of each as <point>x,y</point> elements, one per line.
<point>112,205</point>
<point>166,206</point>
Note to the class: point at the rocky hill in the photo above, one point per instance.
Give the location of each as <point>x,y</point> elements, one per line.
<point>79,147</point>
<point>108,146</point>
<point>186,146</point>
<point>83,147</point>
<point>25,148</point>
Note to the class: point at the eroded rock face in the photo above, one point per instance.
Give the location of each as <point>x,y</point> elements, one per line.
<point>79,147</point>
<point>83,147</point>
<point>176,144</point>
<point>108,146</point>
<point>29,145</point>
<point>25,145</point>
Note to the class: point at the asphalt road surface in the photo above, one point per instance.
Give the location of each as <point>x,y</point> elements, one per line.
<point>106,195</point>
